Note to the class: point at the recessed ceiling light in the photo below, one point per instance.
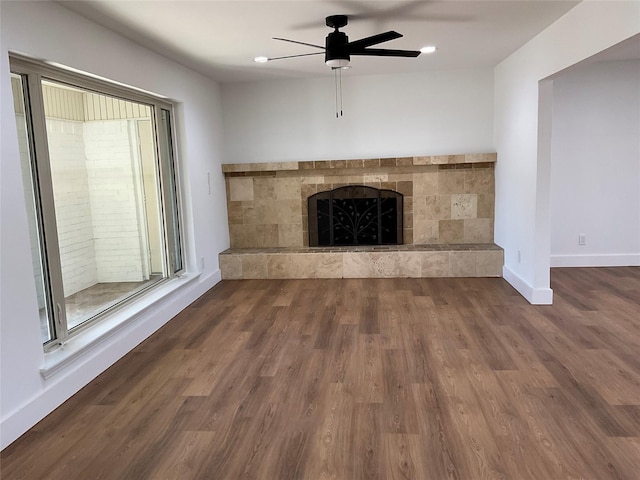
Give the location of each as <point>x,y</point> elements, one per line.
<point>428,49</point>
<point>261,59</point>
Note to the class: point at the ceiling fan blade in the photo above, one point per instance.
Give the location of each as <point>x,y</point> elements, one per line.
<point>294,56</point>
<point>372,40</point>
<point>382,52</point>
<point>300,43</point>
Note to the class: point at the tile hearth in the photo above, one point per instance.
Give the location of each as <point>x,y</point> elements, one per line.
<point>397,261</point>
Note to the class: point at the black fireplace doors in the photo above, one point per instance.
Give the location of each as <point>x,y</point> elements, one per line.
<point>355,215</point>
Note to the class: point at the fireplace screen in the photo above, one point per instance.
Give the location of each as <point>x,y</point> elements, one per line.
<point>355,215</point>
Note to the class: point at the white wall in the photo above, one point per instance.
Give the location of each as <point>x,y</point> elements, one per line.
<point>72,203</point>
<point>523,168</point>
<point>595,165</point>
<point>49,31</point>
<point>111,150</point>
<point>434,113</point>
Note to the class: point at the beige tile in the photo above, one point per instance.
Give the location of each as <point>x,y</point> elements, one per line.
<point>489,264</point>
<point>305,165</point>
<point>451,181</point>
<point>242,236</point>
<point>374,177</point>
<point>407,219</point>
<point>486,204</point>
<point>425,230</point>
<point>405,188</point>
<point>408,236</point>
<point>356,265</point>
<point>266,236</point>
<point>462,264</point>
<point>480,157</point>
<point>464,206</point>
<point>313,179</point>
<point>306,190</point>
<point>287,211</point>
<point>434,264</point>
<point>451,231</point>
<point>252,214</point>
<point>371,163</point>
<point>322,164</point>
<point>290,235</point>
<point>423,160</point>
<point>425,184</point>
<point>264,189</point>
<point>287,188</point>
<point>479,181</point>
<point>420,207</point>
<point>279,265</point>
<point>316,265</point>
<point>388,162</point>
<point>254,266</point>
<point>401,264</point>
<point>350,179</point>
<point>401,177</point>
<point>407,203</point>
<point>354,163</point>
<point>478,230</point>
<point>268,211</point>
<point>230,267</point>
<point>281,166</point>
<point>381,265</point>
<point>240,189</point>
<point>234,213</point>
<point>436,207</point>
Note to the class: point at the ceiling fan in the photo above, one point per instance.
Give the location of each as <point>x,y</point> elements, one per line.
<point>338,49</point>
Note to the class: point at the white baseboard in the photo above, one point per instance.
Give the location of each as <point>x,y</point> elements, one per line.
<point>602,260</point>
<point>535,296</point>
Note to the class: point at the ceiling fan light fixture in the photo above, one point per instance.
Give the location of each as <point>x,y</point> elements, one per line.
<point>337,63</point>
<point>261,59</point>
<point>428,49</point>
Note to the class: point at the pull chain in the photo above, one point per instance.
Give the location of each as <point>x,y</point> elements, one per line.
<point>335,81</point>
<point>337,77</point>
<point>340,80</point>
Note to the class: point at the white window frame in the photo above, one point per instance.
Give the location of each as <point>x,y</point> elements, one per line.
<point>33,72</point>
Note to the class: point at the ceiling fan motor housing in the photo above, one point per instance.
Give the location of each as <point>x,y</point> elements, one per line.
<point>336,49</point>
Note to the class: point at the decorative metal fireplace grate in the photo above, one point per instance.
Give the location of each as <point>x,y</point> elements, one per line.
<point>355,215</point>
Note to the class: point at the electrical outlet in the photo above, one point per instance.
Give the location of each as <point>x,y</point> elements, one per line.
<point>209,183</point>
<point>582,239</point>
<point>202,263</point>
<point>519,256</point>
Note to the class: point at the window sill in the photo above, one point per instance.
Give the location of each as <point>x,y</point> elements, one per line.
<point>56,360</point>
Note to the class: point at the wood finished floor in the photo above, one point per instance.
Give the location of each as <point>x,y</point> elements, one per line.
<point>365,379</point>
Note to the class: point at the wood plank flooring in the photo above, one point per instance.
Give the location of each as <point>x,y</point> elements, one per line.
<point>365,379</point>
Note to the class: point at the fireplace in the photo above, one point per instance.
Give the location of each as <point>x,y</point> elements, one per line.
<point>355,215</point>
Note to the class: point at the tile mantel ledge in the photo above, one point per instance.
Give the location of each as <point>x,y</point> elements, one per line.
<point>365,163</point>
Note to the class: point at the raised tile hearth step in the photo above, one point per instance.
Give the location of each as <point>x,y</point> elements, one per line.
<point>397,261</point>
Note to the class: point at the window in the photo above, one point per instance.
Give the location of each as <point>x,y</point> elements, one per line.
<point>101,191</point>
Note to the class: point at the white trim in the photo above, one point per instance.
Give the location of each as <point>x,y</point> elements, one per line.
<point>535,296</point>
<point>597,260</point>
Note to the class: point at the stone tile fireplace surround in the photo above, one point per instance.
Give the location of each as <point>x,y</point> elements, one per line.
<point>448,218</point>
